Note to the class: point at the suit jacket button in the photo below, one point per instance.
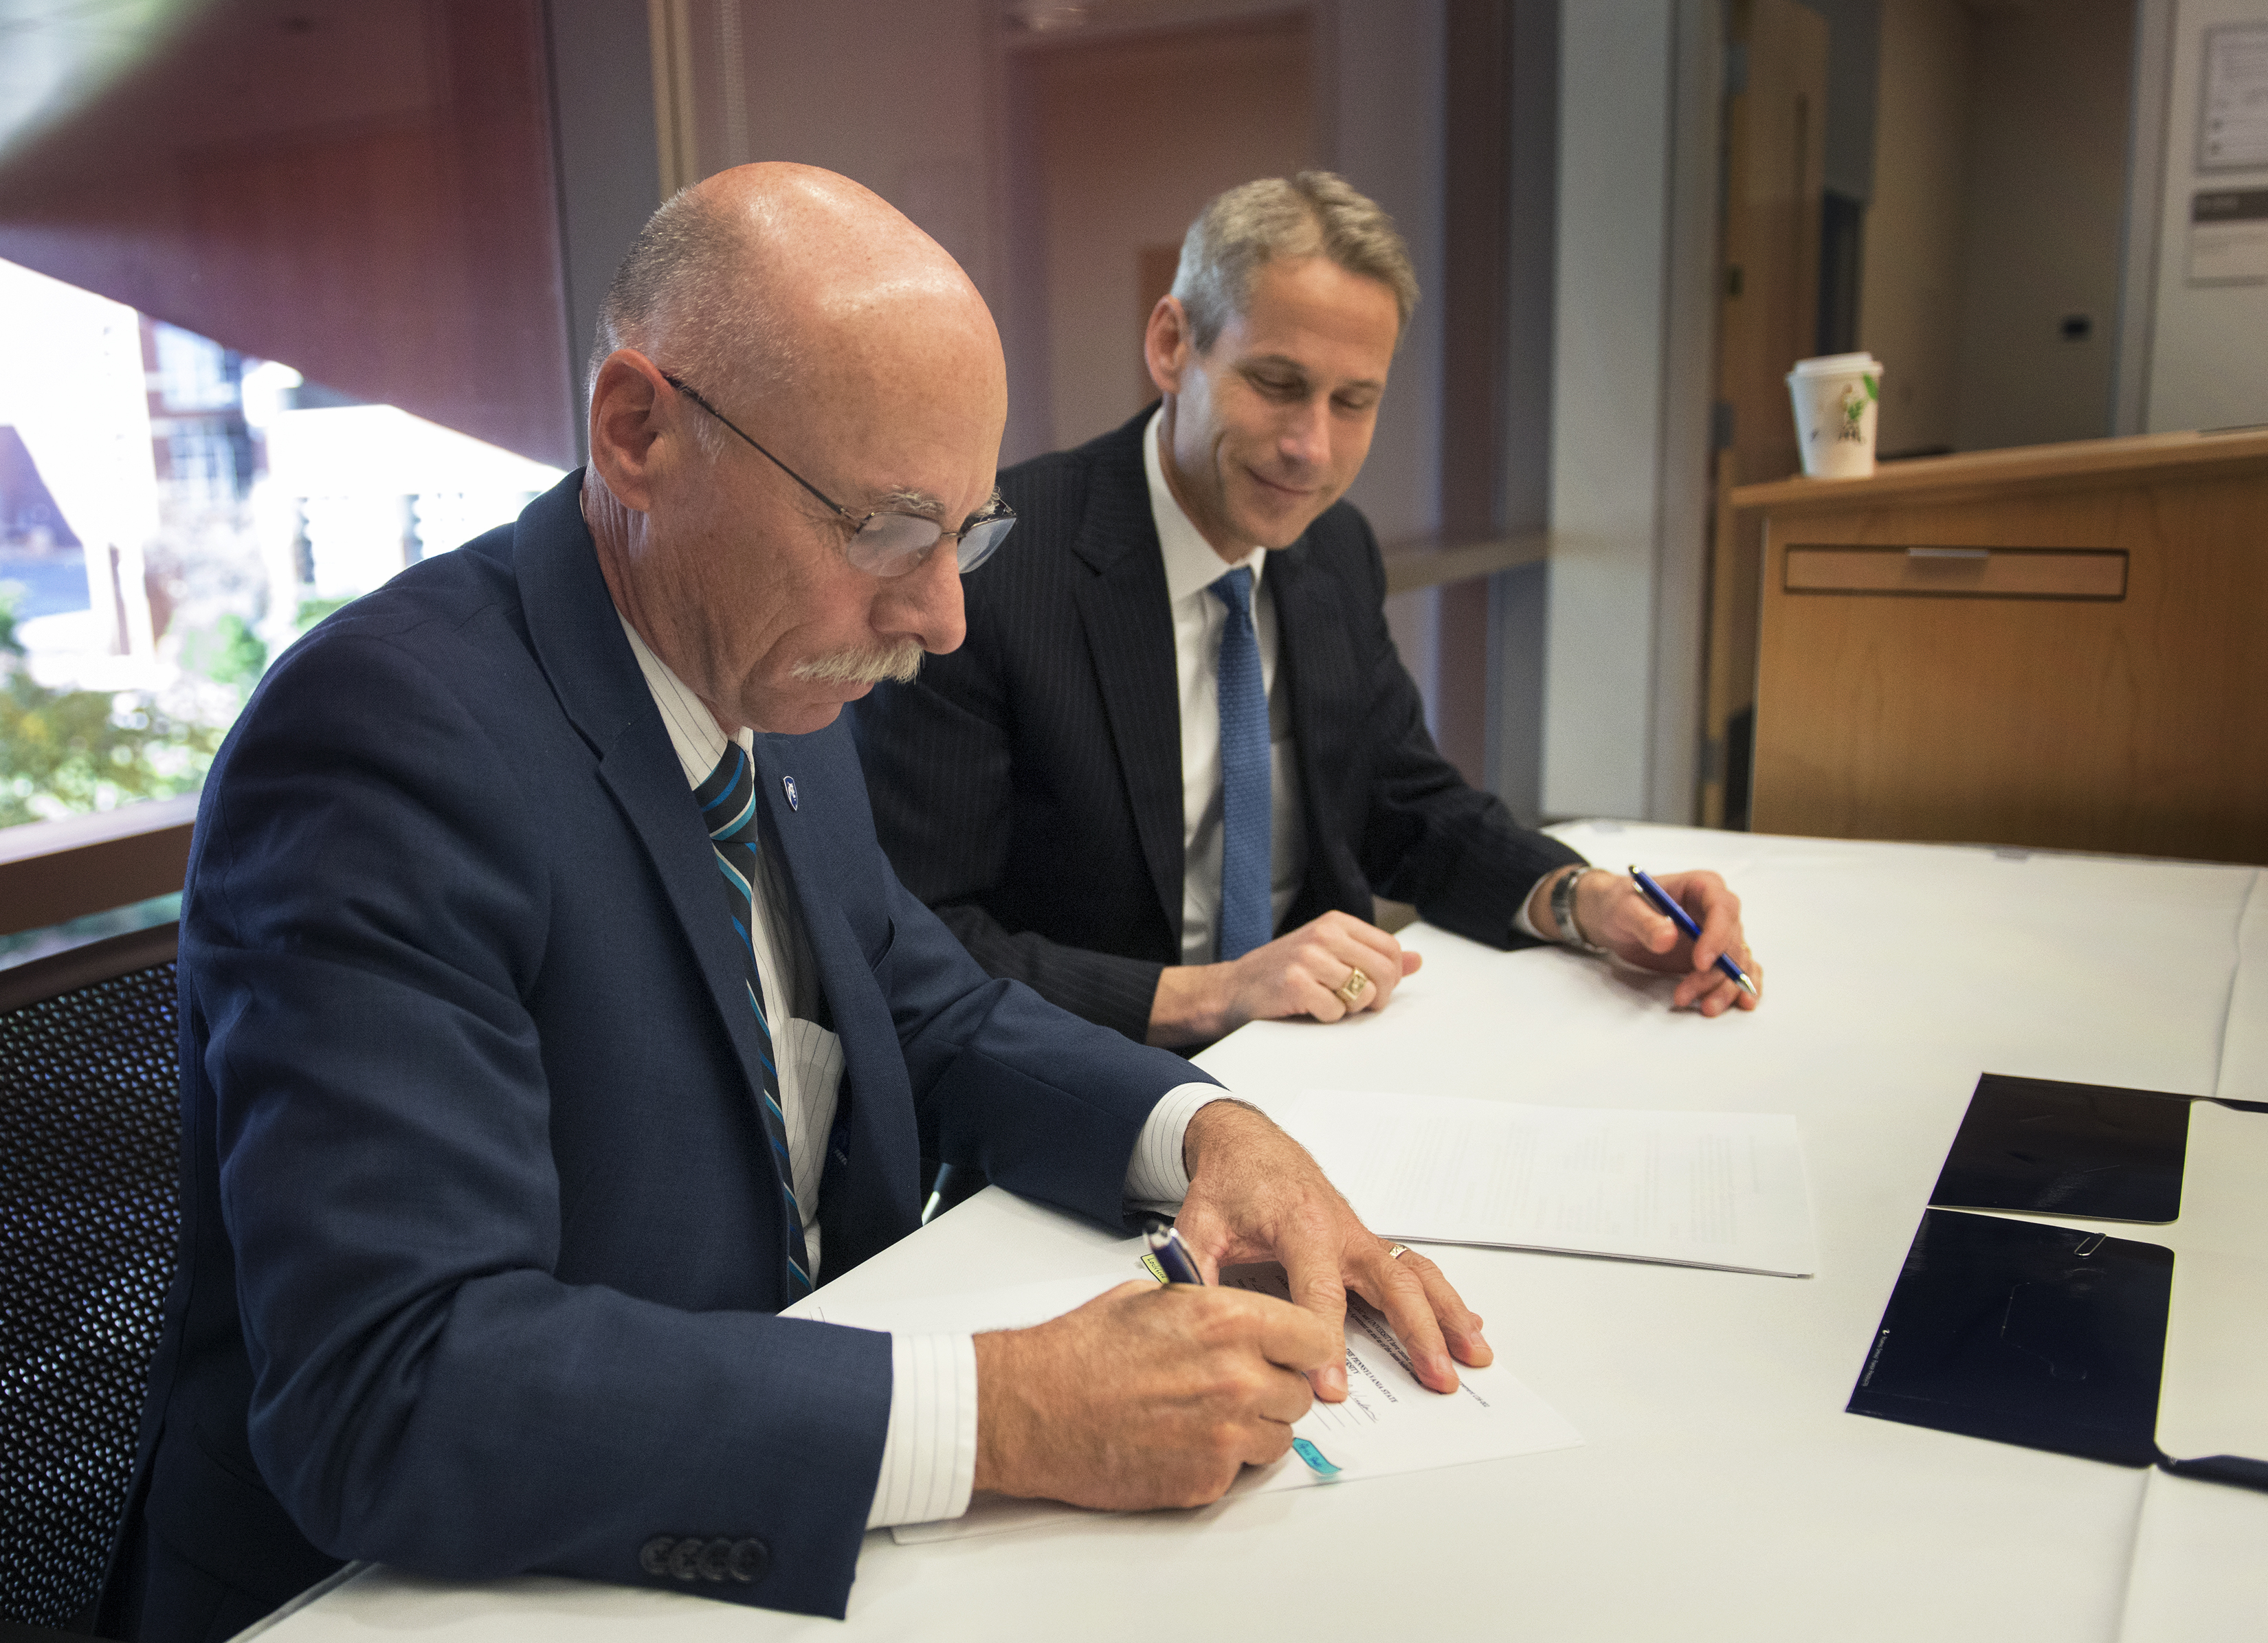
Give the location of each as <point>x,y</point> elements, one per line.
<point>751,1560</point>
<point>715,1557</point>
<point>681,1560</point>
<point>653,1557</point>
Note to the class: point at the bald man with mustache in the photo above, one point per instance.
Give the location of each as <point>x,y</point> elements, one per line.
<point>550,1019</point>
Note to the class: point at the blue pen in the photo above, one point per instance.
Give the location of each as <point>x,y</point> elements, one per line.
<point>1172,1254</point>
<point>1666,904</point>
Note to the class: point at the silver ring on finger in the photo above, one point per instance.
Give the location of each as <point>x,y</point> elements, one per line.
<point>1348,990</point>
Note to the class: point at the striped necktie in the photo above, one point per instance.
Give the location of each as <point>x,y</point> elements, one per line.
<point>728,809</point>
<point>1247,915</point>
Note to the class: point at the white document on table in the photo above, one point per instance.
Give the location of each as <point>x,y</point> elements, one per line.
<point>1692,1189</point>
<point>1388,1423</point>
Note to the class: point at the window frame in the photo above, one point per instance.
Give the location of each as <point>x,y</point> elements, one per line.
<point>53,871</point>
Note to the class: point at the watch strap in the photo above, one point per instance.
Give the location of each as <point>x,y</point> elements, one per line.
<point>1563,913</point>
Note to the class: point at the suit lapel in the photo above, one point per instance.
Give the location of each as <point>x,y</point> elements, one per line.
<point>649,785</point>
<point>868,1194</point>
<point>1129,624</point>
<point>1311,657</point>
<point>1304,625</point>
<point>578,640</point>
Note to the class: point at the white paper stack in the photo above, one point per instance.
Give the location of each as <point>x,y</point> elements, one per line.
<point>1694,1188</point>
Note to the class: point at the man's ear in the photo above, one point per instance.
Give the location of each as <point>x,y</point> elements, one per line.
<point>1166,346</point>
<point>630,402</point>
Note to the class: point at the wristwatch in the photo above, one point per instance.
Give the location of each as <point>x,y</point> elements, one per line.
<point>1563,913</point>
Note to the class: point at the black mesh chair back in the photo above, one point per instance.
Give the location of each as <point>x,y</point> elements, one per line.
<point>90,1145</point>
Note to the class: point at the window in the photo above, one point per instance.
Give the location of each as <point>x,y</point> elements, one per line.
<point>172,515</point>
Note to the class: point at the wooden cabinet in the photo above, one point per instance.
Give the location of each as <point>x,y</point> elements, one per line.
<point>2065,646</point>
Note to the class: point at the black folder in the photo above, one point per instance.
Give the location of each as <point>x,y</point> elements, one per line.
<point>2052,1337</point>
<point>2048,1336</point>
<point>2086,1149</point>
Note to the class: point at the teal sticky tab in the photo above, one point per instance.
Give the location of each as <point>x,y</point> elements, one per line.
<point>1314,1456</point>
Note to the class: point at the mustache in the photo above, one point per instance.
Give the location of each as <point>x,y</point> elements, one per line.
<point>865,664</point>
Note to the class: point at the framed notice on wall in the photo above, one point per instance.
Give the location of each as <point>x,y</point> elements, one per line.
<point>2233,119</point>
<point>2228,238</point>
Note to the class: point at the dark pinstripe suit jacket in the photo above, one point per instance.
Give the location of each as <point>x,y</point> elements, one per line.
<point>1029,786</point>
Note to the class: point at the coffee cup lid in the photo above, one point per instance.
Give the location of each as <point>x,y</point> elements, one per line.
<point>1835,365</point>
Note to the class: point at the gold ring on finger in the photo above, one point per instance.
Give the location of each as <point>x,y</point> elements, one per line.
<point>1351,988</point>
<point>1396,1251</point>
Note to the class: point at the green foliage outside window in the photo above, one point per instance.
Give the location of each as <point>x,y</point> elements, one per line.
<point>311,611</point>
<point>83,750</point>
<point>227,652</point>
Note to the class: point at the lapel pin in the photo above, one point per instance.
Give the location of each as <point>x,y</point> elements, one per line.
<point>787,785</point>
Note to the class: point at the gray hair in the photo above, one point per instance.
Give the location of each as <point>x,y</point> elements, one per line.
<point>1317,213</point>
<point>686,280</point>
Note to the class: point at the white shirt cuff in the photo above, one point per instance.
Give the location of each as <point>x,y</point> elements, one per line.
<point>928,1454</point>
<point>1156,1174</point>
<point>1521,921</point>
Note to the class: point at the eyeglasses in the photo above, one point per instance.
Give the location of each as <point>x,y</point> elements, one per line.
<point>886,543</point>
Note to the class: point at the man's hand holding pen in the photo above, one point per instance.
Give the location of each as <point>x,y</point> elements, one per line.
<point>1153,1396</point>
<point>1613,913</point>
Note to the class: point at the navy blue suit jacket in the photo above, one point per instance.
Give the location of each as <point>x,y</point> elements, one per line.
<point>481,1230</point>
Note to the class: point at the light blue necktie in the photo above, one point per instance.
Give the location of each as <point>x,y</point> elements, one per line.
<point>728,809</point>
<point>1246,921</point>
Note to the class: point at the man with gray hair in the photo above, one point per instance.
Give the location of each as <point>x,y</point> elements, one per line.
<point>1178,755</point>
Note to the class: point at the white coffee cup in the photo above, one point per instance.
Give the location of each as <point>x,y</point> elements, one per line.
<point>1836,397</point>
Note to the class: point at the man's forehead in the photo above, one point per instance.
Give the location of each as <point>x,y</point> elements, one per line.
<point>1297,310</point>
<point>936,462</point>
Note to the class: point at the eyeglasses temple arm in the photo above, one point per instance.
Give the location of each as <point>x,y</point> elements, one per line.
<point>693,396</point>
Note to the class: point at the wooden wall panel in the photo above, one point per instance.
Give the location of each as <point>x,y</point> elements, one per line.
<point>404,248</point>
<point>1767,319</point>
<point>1477,185</point>
<point>1775,182</point>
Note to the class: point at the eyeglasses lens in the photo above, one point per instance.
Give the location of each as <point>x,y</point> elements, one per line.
<point>978,541</point>
<point>892,544</point>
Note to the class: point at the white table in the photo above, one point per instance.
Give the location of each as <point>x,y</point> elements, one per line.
<point>1722,1490</point>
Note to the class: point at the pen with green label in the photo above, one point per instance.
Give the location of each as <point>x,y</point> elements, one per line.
<point>1174,1260</point>
<point>1171,1255</point>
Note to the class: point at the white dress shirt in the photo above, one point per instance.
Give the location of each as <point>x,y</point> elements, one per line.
<point>929,1453</point>
<point>1192,568</point>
